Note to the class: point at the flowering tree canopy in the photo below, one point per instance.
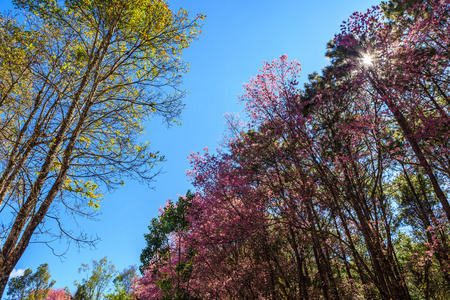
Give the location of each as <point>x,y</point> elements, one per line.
<point>332,191</point>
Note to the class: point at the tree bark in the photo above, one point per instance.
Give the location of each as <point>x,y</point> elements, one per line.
<point>408,134</point>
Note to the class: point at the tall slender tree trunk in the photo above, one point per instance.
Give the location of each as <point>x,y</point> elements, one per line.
<point>408,134</point>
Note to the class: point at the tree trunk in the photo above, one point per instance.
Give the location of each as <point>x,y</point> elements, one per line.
<point>408,134</point>
<point>5,270</point>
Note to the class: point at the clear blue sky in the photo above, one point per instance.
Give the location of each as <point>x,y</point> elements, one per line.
<point>237,35</point>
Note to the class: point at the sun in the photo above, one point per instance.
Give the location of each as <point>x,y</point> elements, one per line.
<point>367,59</point>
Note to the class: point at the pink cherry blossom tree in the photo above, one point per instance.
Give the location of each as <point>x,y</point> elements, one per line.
<point>307,199</point>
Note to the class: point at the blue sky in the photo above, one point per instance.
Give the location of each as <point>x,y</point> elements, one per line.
<point>237,36</point>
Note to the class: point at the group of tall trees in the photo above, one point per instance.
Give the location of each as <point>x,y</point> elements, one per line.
<point>77,80</point>
<point>31,286</point>
<point>95,285</point>
<point>338,190</point>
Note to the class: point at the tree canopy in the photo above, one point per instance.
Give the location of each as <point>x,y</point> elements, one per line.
<point>77,81</point>
<point>31,286</point>
<point>335,190</point>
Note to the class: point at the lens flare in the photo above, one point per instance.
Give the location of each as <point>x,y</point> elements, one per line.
<point>367,59</point>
